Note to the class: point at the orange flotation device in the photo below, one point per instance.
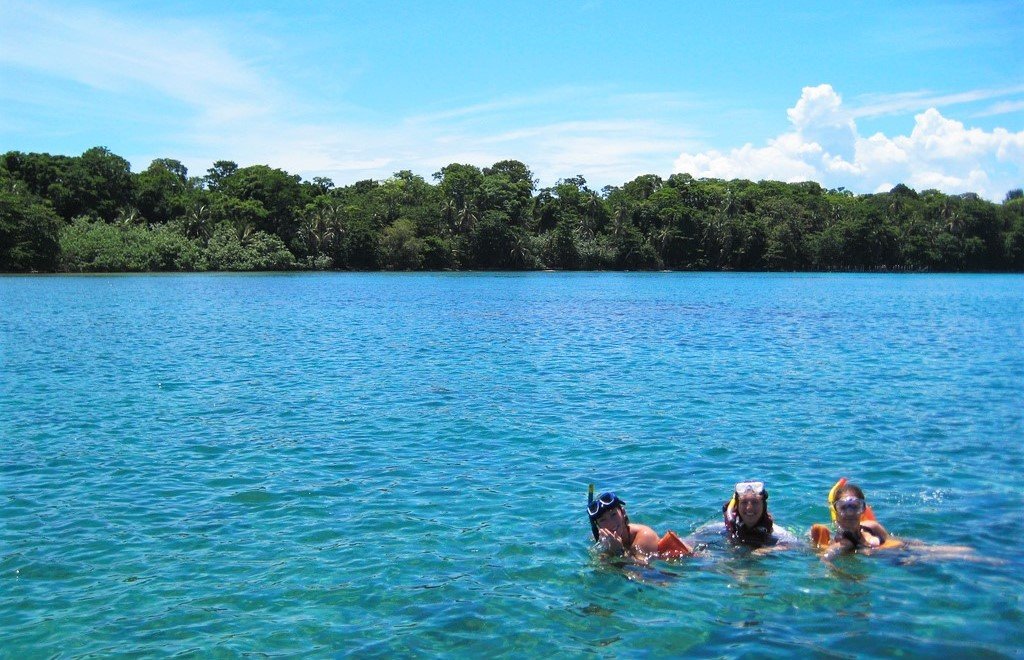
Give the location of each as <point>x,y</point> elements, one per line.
<point>671,546</point>
<point>820,536</point>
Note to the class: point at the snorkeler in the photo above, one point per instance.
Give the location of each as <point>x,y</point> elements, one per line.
<point>617,536</point>
<point>856,527</point>
<point>857,530</point>
<point>747,521</point>
<point>853,529</point>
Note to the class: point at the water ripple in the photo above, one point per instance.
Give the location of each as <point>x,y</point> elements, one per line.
<point>396,464</point>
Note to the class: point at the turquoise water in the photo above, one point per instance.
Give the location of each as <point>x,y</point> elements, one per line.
<point>397,463</point>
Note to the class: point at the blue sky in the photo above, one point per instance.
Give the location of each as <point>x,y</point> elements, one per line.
<point>862,95</point>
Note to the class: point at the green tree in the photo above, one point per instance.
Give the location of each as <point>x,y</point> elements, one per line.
<point>277,192</point>
<point>401,249</point>
<point>458,186</point>
<point>217,174</point>
<point>163,191</point>
<point>29,231</point>
<point>496,244</point>
<point>98,182</point>
<point>257,251</point>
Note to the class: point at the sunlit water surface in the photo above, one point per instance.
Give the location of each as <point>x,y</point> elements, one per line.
<point>382,464</point>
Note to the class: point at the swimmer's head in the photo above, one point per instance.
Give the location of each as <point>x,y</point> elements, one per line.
<point>599,510</point>
<point>604,503</point>
<point>850,502</point>
<point>850,489</point>
<point>751,502</point>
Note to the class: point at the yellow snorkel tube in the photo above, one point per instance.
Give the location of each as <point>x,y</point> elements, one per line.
<point>832,497</point>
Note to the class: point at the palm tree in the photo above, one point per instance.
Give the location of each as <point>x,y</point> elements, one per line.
<point>244,229</point>
<point>128,216</point>
<point>467,218</point>
<point>621,219</point>
<point>953,222</point>
<point>449,209</point>
<point>663,236</point>
<point>592,206</point>
<point>519,250</point>
<point>197,222</point>
<point>729,204</point>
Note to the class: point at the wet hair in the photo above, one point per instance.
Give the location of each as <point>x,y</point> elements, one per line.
<point>852,489</point>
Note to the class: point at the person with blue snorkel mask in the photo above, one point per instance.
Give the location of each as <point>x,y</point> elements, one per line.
<point>611,528</point>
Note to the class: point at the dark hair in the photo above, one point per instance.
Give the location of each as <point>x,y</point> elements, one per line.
<point>851,488</point>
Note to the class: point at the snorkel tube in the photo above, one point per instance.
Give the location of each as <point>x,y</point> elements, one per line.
<point>832,495</point>
<point>729,513</point>
<point>590,500</point>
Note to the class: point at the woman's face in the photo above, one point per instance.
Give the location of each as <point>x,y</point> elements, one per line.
<point>849,508</point>
<point>750,507</point>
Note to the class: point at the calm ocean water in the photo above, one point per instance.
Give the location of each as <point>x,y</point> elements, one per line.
<point>397,463</point>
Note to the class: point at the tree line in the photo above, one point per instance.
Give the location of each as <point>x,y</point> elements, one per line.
<point>91,213</point>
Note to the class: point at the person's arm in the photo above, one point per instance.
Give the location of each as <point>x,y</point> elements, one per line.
<point>838,547</point>
<point>876,528</point>
<point>768,549</point>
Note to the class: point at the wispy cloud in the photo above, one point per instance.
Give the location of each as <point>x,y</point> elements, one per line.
<point>225,106</point>
<point>502,105</point>
<point>1001,108</point>
<point>606,151</point>
<point>131,56</point>
<point>909,102</point>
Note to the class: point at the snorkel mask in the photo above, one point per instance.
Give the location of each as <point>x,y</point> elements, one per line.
<point>741,489</point>
<point>755,487</point>
<point>850,504</point>
<point>597,507</point>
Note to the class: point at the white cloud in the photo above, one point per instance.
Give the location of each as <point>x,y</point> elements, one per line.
<point>604,151</point>
<point>825,146</point>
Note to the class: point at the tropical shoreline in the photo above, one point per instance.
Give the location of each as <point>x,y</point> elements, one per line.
<point>91,213</point>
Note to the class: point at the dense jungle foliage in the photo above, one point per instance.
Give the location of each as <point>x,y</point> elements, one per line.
<point>91,213</point>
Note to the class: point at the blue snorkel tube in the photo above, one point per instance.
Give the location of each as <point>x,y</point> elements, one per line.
<point>590,500</point>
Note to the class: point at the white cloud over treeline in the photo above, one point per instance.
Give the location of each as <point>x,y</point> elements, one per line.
<point>825,145</point>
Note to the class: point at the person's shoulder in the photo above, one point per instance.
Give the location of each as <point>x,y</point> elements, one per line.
<point>644,537</point>
<point>642,530</point>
